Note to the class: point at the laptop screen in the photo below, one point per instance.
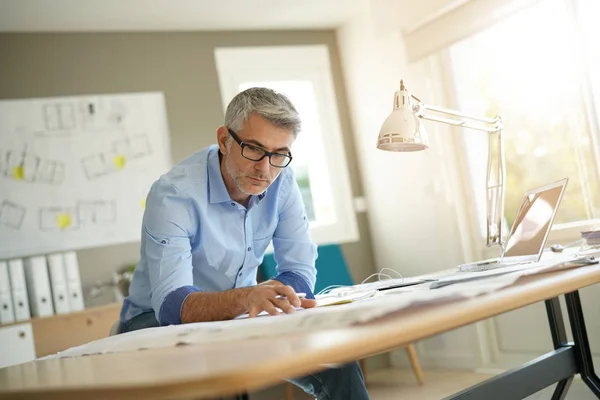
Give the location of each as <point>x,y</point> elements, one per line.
<point>533,222</point>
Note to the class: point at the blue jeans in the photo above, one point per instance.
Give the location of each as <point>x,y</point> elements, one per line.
<point>343,383</point>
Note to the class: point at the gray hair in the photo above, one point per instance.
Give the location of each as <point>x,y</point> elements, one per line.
<point>274,107</point>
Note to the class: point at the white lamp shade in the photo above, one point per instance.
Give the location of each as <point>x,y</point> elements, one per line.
<point>402,131</point>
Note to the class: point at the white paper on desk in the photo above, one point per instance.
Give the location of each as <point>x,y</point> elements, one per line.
<point>322,318</point>
<point>328,299</point>
<point>264,313</point>
<point>377,285</point>
<point>137,340</point>
<point>349,294</point>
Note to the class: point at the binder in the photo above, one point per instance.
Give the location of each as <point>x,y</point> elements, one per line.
<point>7,314</point>
<point>58,283</point>
<point>19,289</point>
<point>38,286</point>
<point>73,281</point>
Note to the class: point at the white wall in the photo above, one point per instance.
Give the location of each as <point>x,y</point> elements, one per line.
<point>411,205</point>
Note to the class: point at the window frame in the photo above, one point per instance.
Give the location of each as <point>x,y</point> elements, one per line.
<point>560,233</point>
<point>239,65</point>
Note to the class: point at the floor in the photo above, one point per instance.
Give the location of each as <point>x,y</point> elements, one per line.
<point>397,384</point>
<point>401,384</point>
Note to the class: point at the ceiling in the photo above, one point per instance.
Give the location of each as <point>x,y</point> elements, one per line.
<point>172,15</point>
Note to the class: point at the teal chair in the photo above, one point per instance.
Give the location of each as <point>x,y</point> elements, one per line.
<point>332,270</point>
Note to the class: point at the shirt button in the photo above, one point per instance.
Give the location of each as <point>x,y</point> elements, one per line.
<point>232,204</point>
<point>240,274</point>
<point>249,248</point>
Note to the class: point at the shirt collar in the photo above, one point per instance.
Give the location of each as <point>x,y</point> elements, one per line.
<point>217,191</point>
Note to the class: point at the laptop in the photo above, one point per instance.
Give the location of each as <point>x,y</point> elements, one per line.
<point>530,228</point>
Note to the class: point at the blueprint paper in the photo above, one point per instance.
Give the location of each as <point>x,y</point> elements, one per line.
<point>320,318</point>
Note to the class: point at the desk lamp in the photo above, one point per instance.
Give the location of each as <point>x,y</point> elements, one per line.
<point>403,131</point>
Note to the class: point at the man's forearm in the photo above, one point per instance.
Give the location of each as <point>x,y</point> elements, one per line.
<point>214,306</point>
<point>217,306</point>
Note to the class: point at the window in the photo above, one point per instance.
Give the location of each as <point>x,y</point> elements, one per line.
<point>308,144</point>
<point>303,74</point>
<point>528,69</point>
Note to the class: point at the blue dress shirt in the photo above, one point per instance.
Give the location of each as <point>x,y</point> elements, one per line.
<point>196,238</point>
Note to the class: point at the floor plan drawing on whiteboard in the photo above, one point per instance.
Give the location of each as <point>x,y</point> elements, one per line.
<point>88,115</point>
<point>11,215</point>
<point>59,218</point>
<point>24,166</point>
<point>99,113</point>
<point>59,117</point>
<point>75,170</point>
<point>97,212</point>
<point>117,156</point>
<point>85,213</point>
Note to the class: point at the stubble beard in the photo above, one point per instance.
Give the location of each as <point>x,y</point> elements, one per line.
<point>237,180</point>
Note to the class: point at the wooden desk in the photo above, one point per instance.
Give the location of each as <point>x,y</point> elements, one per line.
<point>227,368</point>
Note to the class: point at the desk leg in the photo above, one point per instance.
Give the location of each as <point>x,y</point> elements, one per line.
<point>559,339</point>
<point>560,365</point>
<point>582,345</point>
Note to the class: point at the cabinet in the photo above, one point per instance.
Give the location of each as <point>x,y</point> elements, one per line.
<point>16,344</point>
<point>39,337</point>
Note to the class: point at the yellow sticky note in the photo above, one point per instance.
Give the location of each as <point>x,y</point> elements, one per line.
<point>63,221</point>
<point>143,204</point>
<point>119,161</point>
<point>19,172</point>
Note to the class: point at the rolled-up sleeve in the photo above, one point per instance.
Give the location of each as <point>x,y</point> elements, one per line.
<point>294,251</point>
<point>170,221</point>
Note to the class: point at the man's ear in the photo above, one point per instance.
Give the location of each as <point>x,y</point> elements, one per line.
<point>222,137</point>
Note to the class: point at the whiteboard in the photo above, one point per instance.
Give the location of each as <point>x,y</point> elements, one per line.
<point>75,171</point>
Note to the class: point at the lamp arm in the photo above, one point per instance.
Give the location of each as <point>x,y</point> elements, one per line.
<point>462,123</point>
<point>458,114</point>
<point>495,188</point>
<point>496,173</point>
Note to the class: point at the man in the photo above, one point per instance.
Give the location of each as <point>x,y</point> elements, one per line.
<point>208,223</point>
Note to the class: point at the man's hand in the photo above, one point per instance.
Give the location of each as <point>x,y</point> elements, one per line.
<point>221,306</point>
<point>270,295</point>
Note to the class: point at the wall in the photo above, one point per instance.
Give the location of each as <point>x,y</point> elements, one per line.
<point>179,64</point>
<point>412,202</point>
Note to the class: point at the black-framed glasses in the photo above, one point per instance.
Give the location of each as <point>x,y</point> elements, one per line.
<point>255,153</point>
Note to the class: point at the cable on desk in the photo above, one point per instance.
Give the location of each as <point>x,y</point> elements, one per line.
<point>381,277</point>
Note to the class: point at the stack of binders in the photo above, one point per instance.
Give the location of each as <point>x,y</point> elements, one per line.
<point>39,286</point>
<point>73,281</point>
<point>7,314</point>
<point>13,292</point>
<point>58,283</point>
